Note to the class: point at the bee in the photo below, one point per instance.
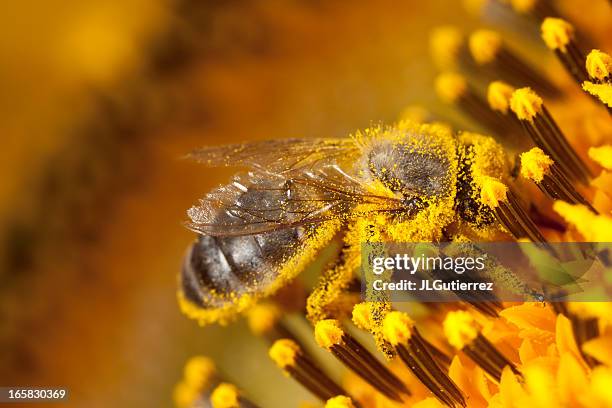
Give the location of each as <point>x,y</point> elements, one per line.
<point>406,182</point>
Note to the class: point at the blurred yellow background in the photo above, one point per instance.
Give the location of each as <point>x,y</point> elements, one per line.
<point>98,102</point>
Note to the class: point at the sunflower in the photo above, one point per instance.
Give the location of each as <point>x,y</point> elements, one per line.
<point>554,119</point>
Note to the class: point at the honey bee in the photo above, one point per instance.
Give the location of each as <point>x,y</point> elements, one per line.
<point>405,182</point>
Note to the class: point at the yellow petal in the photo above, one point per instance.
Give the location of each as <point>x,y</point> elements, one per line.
<point>566,343</point>
<point>530,315</point>
<point>540,382</point>
<point>603,182</point>
<point>527,352</point>
<point>572,380</point>
<point>600,348</point>
<point>601,386</point>
<point>602,155</point>
<point>595,228</point>
<point>461,376</point>
<point>428,403</point>
<point>535,321</point>
<point>510,390</point>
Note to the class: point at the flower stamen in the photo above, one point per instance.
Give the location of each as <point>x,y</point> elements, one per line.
<point>545,173</point>
<point>292,359</point>
<point>199,378</point>
<point>330,336</point>
<point>489,51</point>
<point>226,395</point>
<point>499,94</point>
<point>539,9</point>
<point>559,36</point>
<point>546,134</point>
<point>508,210</point>
<point>400,332</point>
<point>452,88</point>
<point>265,320</point>
<point>464,334</point>
<point>599,66</point>
<point>448,47</point>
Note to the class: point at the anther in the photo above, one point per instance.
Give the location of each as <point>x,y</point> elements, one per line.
<point>363,320</point>
<point>448,47</point>
<point>599,66</point>
<point>499,94</point>
<point>361,316</point>
<point>265,321</point>
<point>226,395</point>
<point>263,318</point>
<point>538,9</point>
<point>199,378</point>
<point>599,69</point>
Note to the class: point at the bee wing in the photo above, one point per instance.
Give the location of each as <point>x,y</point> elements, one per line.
<point>278,156</point>
<point>260,202</point>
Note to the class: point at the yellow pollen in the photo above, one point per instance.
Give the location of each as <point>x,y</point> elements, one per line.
<point>523,6</point>
<point>594,228</point>
<point>460,328</point>
<point>397,328</point>
<point>262,318</point>
<point>598,64</point>
<point>484,45</point>
<point>601,91</point>
<point>225,396</point>
<point>498,96</point>
<point>526,104</point>
<point>328,333</point>
<point>198,371</point>
<point>362,317</point>
<point>340,401</point>
<point>284,352</point>
<point>557,33</point>
<point>445,43</point>
<point>492,191</point>
<point>602,155</point>
<point>450,87</point>
<point>535,164</point>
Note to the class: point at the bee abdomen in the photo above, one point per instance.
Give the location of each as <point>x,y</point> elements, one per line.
<point>217,270</point>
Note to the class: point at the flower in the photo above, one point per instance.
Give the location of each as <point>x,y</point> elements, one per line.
<point>482,355</point>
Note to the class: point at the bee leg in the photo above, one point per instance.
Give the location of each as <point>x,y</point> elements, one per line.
<point>336,291</point>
